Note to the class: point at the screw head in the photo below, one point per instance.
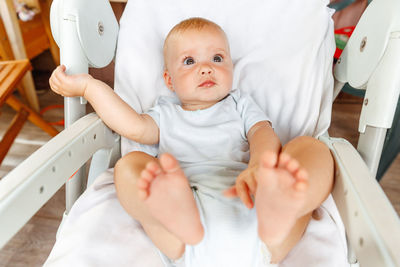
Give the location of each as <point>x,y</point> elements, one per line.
<point>363,44</point>
<point>366,101</point>
<point>100,28</point>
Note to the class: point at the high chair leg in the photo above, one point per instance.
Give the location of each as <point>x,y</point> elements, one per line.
<point>12,132</point>
<point>33,116</point>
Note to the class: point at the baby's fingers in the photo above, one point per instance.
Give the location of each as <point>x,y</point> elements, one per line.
<point>252,185</point>
<point>68,85</point>
<point>244,194</point>
<point>59,73</point>
<point>248,178</point>
<point>231,192</point>
<point>54,83</point>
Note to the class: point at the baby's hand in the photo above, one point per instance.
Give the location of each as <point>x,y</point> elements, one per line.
<point>245,186</point>
<point>69,85</point>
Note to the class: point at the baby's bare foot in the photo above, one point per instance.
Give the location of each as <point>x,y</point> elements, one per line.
<point>280,196</point>
<point>166,192</point>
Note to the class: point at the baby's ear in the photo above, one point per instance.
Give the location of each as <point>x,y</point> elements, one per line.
<point>168,80</point>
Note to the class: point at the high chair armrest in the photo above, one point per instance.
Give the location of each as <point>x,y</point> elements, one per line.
<point>372,225</point>
<point>31,184</point>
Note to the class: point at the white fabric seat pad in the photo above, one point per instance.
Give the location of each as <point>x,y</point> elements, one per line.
<point>98,232</point>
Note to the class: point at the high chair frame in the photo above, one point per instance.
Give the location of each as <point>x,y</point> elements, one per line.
<point>370,61</point>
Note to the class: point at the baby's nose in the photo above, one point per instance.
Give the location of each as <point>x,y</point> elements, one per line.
<point>206,69</point>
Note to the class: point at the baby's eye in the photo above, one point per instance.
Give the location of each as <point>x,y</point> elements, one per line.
<point>218,58</point>
<point>188,61</point>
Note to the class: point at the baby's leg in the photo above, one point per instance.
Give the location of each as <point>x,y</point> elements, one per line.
<point>289,189</point>
<point>127,174</point>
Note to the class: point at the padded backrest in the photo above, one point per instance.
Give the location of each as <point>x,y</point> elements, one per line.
<point>282,53</point>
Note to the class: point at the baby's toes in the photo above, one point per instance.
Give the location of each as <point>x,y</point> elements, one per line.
<point>283,160</point>
<point>301,184</point>
<point>169,164</point>
<point>301,174</point>
<point>153,168</point>
<point>143,194</point>
<point>143,183</point>
<point>301,187</point>
<point>292,166</point>
<point>269,159</point>
<point>147,175</point>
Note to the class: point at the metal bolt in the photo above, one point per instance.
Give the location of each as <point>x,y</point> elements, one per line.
<point>339,60</point>
<point>100,28</point>
<point>363,43</point>
<point>366,101</point>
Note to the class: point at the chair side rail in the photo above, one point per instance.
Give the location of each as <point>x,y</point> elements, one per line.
<point>372,225</point>
<point>31,184</point>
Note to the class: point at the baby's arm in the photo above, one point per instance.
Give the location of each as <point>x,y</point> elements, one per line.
<point>115,113</point>
<point>261,138</point>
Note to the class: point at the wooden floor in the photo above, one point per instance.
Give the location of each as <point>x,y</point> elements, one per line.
<point>31,246</point>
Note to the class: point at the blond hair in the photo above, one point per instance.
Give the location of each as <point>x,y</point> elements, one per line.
<point>195,23</point>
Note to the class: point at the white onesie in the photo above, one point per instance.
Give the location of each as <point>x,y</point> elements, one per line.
<point>212,149</point>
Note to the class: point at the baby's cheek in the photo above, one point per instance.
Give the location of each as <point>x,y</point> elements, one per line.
<point>228,73</point>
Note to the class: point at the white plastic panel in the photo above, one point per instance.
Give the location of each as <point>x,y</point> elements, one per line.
<point>55,20</point>
<point>95,24</point>
<point>382,93</point>
<point>368,42</point>
<point>372,225</point>
<point>98,32</point>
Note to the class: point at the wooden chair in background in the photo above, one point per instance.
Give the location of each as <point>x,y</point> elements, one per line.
<point>11,73</point>
<point>21,40</point>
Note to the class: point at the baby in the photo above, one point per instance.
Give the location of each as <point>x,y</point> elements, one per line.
<point>215,144</point>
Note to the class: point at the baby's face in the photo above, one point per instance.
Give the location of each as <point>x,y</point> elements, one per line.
<point>199,67</point>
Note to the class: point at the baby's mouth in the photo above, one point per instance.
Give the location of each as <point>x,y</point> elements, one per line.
<point>207,84</point>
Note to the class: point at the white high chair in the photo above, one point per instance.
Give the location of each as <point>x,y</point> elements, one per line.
<point>369,61</point>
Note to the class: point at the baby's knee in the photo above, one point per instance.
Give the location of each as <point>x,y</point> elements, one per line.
<point>309,143</point>
<point>309,140</point>
<point>121,166</point>
<point>130,166</point>
<point>127,167</point>
<point>310,148</point>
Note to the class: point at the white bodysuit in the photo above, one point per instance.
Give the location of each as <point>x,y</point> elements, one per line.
<point>212,149</point>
